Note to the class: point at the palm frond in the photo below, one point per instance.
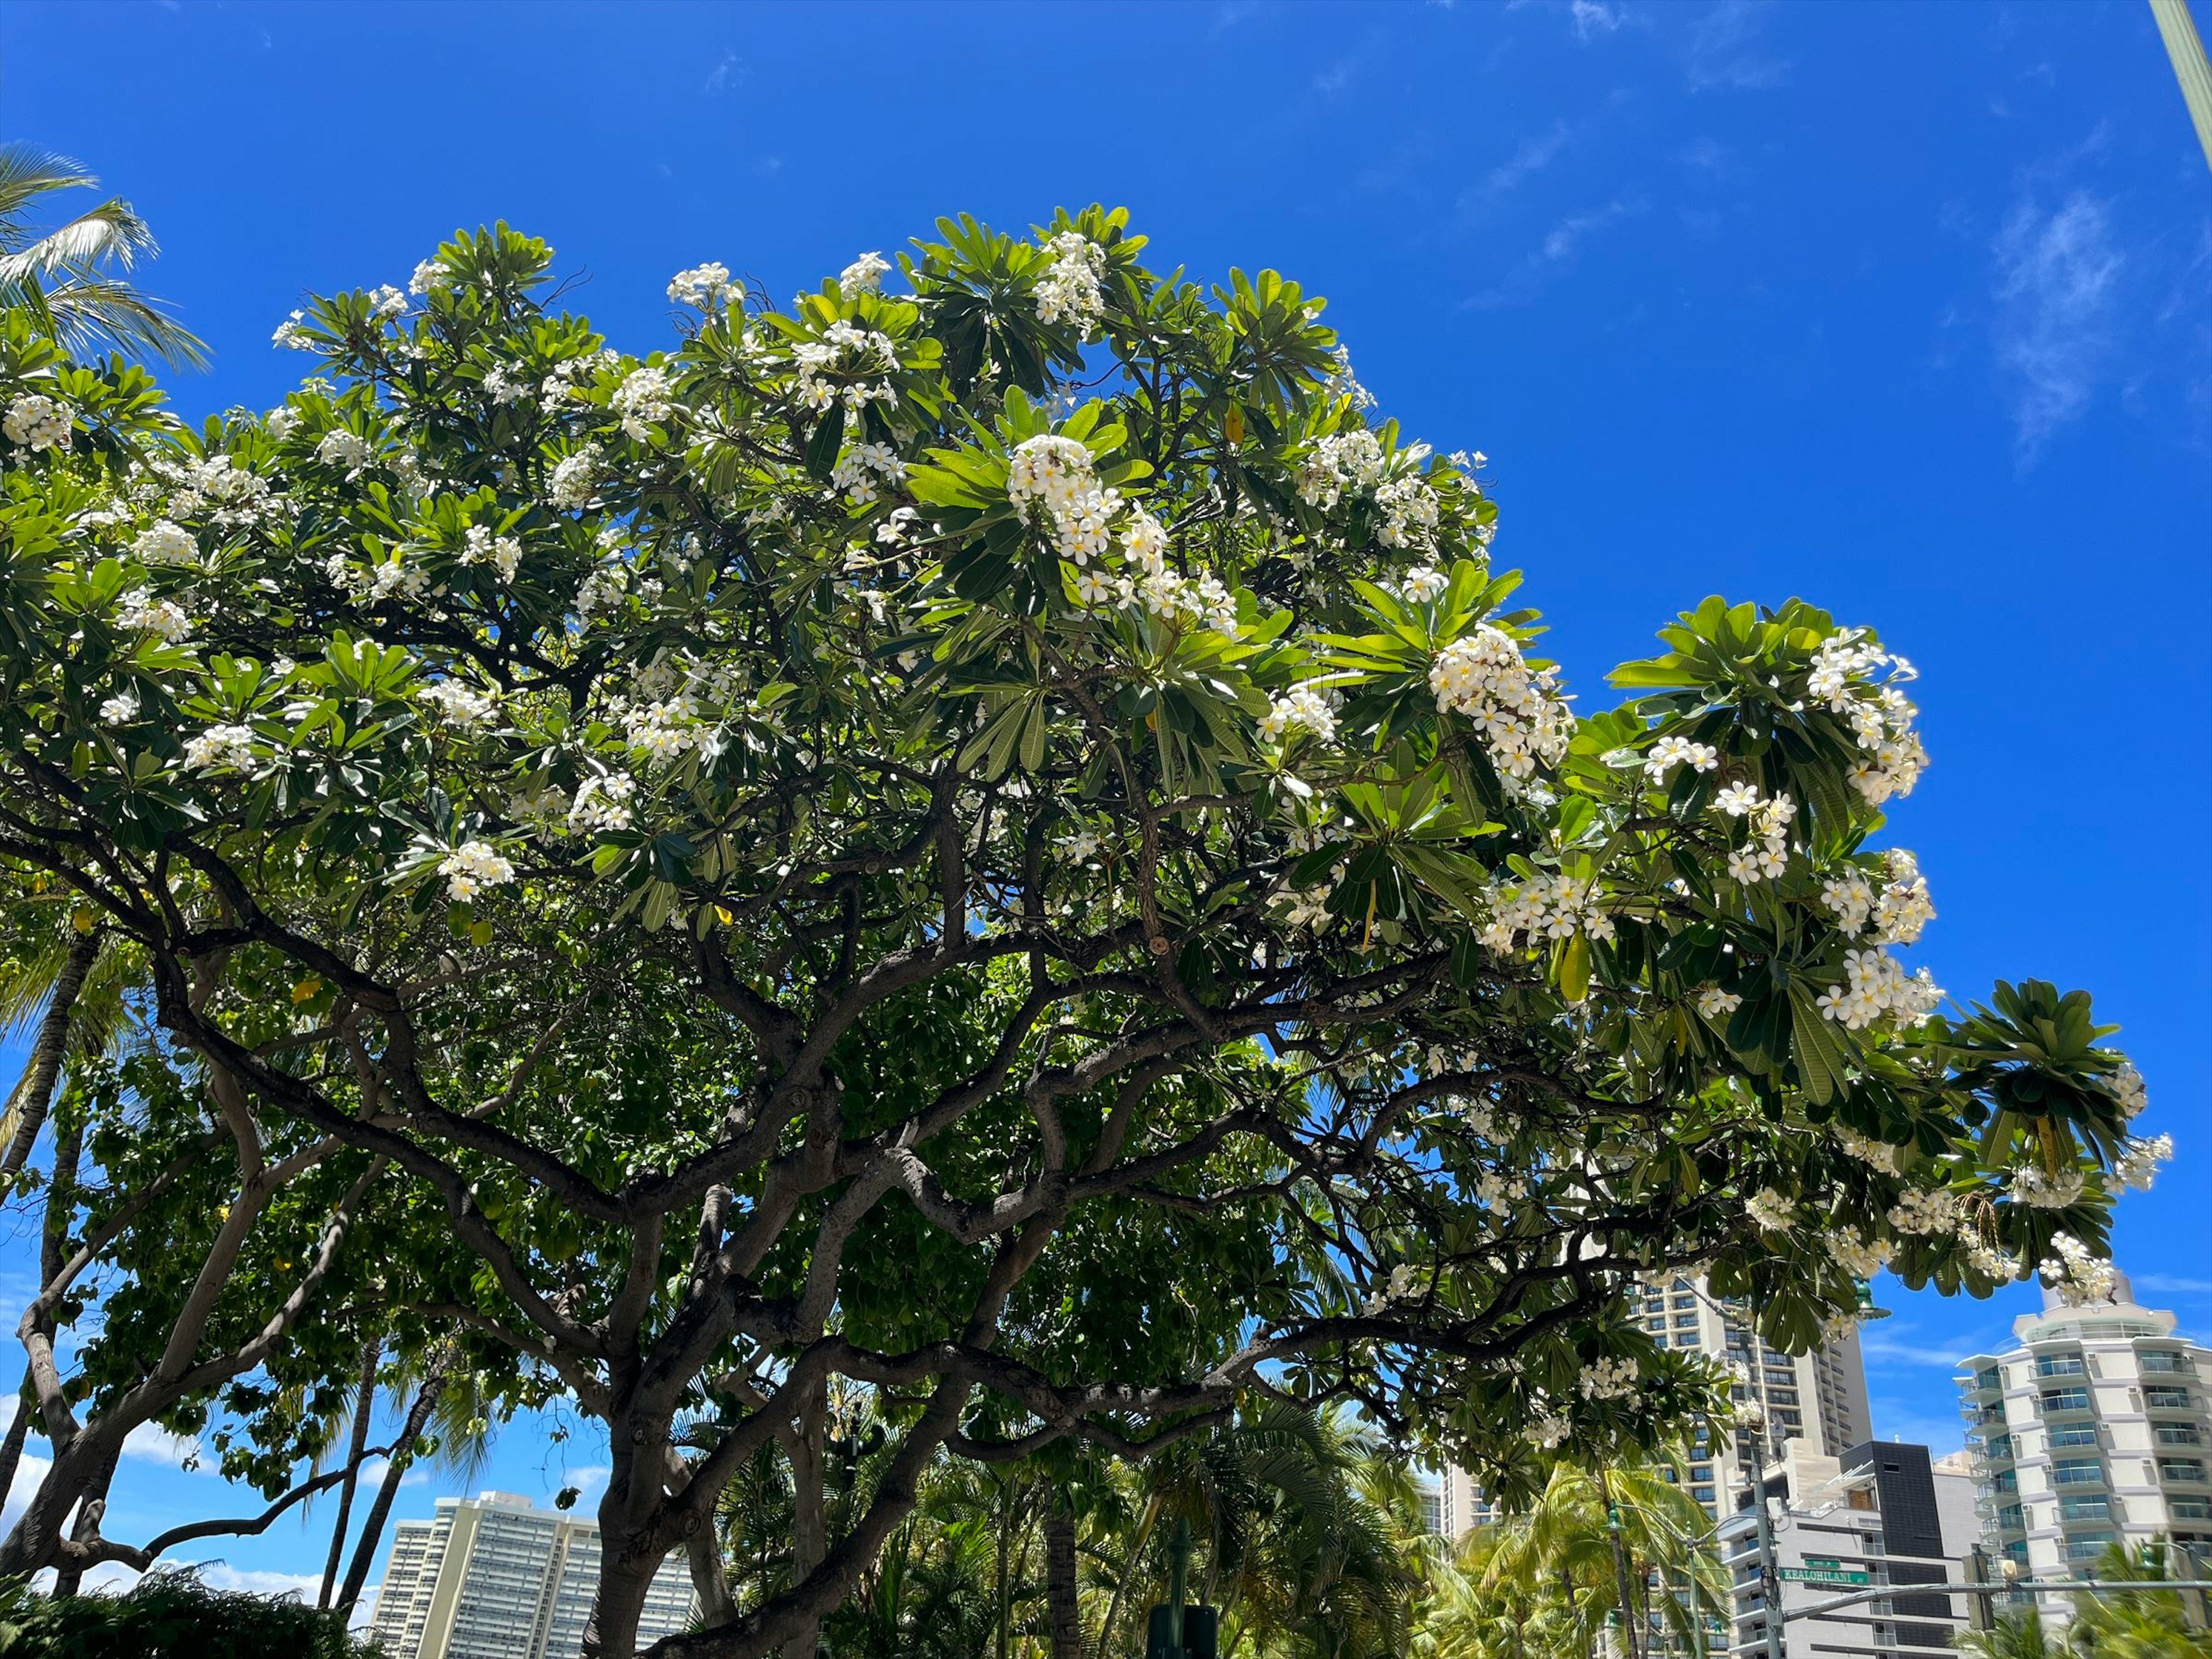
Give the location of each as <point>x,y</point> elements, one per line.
<point>111,231</point>
<point>91,311</point>
<point>28,172</point>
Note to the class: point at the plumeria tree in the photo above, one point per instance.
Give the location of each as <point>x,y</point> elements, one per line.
<point>992,834</point>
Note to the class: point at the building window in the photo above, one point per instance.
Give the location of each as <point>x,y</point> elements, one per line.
<point>2066,1400</point>
<point>1686,1319</point>
<point>2155,1361</point>
<point>2178,1434</point>
<point>2190,1509</point>
<point>2166,1399</point>
<point>2077,1471</point>
<point>2089,1547</point>
<point>2085,1508</point>
<point>2080,1436</point>
<point>2058,1364</point>
<point>2182,1468</point>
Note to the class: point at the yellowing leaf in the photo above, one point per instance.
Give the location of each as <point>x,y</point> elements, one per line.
<point>308,988</point>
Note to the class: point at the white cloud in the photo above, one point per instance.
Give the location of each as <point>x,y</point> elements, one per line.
<point>1725,52</point>
<point>1335,78</point>
<point>1596,17</point>
<point>2057,284</point>
<point>728,69</point>
<point>149,1443</point>
<point>1532,155</point>
<point>1560,242</point>
<point>1552,255</point>
<point>2173,1283</point>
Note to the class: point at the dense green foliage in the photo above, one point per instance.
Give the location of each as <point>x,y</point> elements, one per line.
<point>168,1615</point>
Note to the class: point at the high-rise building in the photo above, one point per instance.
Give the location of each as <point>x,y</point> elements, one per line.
<point>1819,1399</point>
<point>1875,1516</point>
<point>495,1578</point>
<point>2091,1430</point>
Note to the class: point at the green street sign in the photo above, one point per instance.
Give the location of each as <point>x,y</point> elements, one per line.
<point>1824,1576</point>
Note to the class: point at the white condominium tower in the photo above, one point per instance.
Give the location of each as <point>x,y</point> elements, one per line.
<point>1817,1399</point>
<point>2091,1430</point>
<point>493,1577</point>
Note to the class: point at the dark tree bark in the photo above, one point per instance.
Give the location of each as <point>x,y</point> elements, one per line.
<point>426,1400</point>
<point>47,1052</point>
<point>1060,1585</point>
<point>364,1408</point>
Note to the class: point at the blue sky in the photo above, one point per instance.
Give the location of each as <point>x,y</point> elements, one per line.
<point>1903,308</point>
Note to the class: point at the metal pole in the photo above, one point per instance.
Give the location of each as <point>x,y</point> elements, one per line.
<point>2186,53</point>
<point>2032,1587</point>
<point>1982,1609</point>
<point>1770,1576</point>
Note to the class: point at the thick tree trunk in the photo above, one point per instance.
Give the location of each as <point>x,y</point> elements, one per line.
<point>53,1249</point>
<point>810,1532</point>
<point>364,1408</point>
<point>364,1554</point>
<point>19,1430</point>
<point>47,1052</point>
<point>1059,1586</point>
<point>69,1575</point>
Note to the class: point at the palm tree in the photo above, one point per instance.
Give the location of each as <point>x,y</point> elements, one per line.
<point>67,276</point>
<point>1587,1554</point>
<point>2015,1636</point>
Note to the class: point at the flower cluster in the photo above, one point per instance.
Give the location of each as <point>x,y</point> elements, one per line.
<point>1338,462</point>
<point>2137,1168</point>
<point>1855,1252</point>
<point>290,335</point>
<point>220,748</point>
<point>603,803</point>
<point>706,287</point>
<point>863,469</point>
<point>1896,913</point>
<point>642,401</point>
<point>460,705</point>
<point>139,609</point>
<point>1767,818</point>
<point>863,359</point>
<point>1925,1210</point>
<point>1877,985</point>
<point>1423,583</point>
<point>1713,1002</point>
<point>472,867</point>
<point>2127,1086</point>
<point>2079,1279</point>
<point>667,728</point>
<point>1874,1154</point>
<point>503,385</point>
<point>1613,1379</point>
<point>342,448</point>
<point>1670,752</point>
<point>1069,292</point>
<point>1770,1211</point>
<point>864,276</point>
<point>37,422</point>
<point>1300,710</point>
<point>430,278</point>
<point>164,543</point>
<point>1544,907</point>
<point>503,553</point>
<point>1520,713</point>
<point>1409,508</point>
<point>1843,677</point>
<point>2041,1189</point>
<point>574,479</point>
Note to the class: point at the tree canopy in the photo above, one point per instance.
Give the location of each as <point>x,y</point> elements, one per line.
<point>994,834</point>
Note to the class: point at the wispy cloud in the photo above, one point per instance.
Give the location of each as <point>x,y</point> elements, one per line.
<point>1596,17</point>
<point>1231,12</point>
<point>1532,156</point>
<point>728,71</point>
<point>1555,253</point>
<point>1336,78</point>
<point>1563,238</point>
<point>2173,1283</point>
<point>2056,284</point>
<point>1726,51</point>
